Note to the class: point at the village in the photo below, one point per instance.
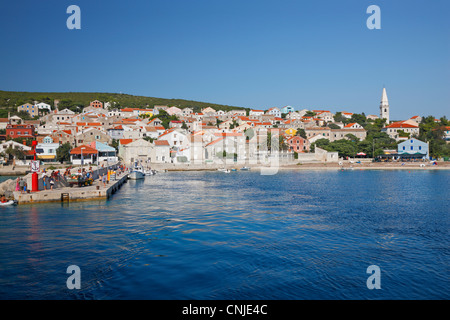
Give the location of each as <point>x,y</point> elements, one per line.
<point>102,135</point>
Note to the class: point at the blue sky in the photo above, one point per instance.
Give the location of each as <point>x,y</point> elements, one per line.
<point>250,53</point>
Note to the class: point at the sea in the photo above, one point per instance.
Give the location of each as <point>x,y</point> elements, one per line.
<point>295,235</point>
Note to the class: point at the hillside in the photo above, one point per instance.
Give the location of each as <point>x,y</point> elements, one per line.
<point>9,100</point>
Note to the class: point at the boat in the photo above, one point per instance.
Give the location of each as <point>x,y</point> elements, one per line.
<point>136,173</point>
<point>227,171</point>
<point>233,169</point>
<point>8,203</point>
<point>150,172</point>
<point>245,168</point>
<point>222,169</point>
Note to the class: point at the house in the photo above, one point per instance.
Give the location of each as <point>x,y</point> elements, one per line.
<point>174,111</point>
<point>394,129</point>
<point>91,135</point>
<point>106,154</point>
<point>413,148</point>
<point>3,123</point>
<point>324,115</point>
<point>11,143</point>
<point>160,152</point>
<point>187,111</point>
<point>256,112</point>
<point>229,143</point>
<point>139,150</point>
<point>44,106</point>
<point>353,125</point>
<point>237,113</point>
<point>96,104</point>
<point>84,154</point>
<point>274,111</point>
<point>156,109</point>
<point>116,132</point>
<point>155,122</point>
<point>20,131</point>
<point>31,109</point>
<point>175,124</point>
<point>298,144</point>
<point>446,133</point>
<point>287,109</point>
<point>372,117</point>
<point>175,136</point>
<point>46,150</point>
<point>209,110</point>
<point>291,131</point>
<point>338,134</point>
<point>323,131</point>
<point>347,115</point>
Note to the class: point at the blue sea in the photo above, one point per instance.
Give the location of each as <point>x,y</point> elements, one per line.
<point>209,235</point>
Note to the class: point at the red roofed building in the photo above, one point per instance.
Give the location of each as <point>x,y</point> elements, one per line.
<point>83,155</point>
<point>393,129</point>
<point>353,125</point>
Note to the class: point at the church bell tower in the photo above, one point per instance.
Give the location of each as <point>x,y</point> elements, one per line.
<point>384,106</point>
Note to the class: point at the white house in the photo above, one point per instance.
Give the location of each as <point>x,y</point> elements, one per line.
<point>44,106</point>
<point>46,151</point>
<point>175,136</point>
<point>274,112</point>
<point>256,112</point>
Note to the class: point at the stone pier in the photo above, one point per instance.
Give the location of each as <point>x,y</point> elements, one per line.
<point>95,192</point>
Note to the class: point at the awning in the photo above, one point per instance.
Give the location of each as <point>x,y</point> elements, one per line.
<point>46,157</point>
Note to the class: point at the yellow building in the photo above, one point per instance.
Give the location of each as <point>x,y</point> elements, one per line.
<point>291,131</point>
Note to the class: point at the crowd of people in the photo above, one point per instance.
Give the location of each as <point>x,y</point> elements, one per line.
<point>50,178</point>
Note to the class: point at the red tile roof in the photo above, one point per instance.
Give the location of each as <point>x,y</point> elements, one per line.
<point>401,124</point>
<point>161,143</point>
<point>86,150</point>
<point>125,141</point>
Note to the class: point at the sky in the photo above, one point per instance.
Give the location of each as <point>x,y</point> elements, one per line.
<point>313,54</point>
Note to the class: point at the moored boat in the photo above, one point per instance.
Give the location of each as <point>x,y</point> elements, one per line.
<point>8,203</point>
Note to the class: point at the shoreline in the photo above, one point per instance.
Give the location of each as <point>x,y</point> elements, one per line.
<point>307,166</point>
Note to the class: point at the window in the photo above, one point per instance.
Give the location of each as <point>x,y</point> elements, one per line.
<point>403,147</point>
<point>420,147</point>
<point>412,147</point>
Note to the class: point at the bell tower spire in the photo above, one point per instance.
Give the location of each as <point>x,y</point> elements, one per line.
<point>384,106</point>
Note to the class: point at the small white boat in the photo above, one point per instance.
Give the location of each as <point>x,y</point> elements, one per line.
<point>136,173</point>
<point>8,203</point>
<point>245,168</point>
<point>150,172</point>
<point>222,169</point>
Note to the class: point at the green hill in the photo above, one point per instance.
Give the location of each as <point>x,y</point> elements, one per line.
<point>10,100</point>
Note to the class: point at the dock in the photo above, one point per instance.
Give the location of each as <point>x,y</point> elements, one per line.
<point>67,194</point>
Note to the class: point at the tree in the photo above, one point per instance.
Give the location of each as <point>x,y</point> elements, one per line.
<point>333,126</point>
<point>338,117</point>
<point>115,144</point>
<point>63,152</point>
<point>301,133</point>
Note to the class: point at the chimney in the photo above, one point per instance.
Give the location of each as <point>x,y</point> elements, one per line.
<point>24,142</point>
